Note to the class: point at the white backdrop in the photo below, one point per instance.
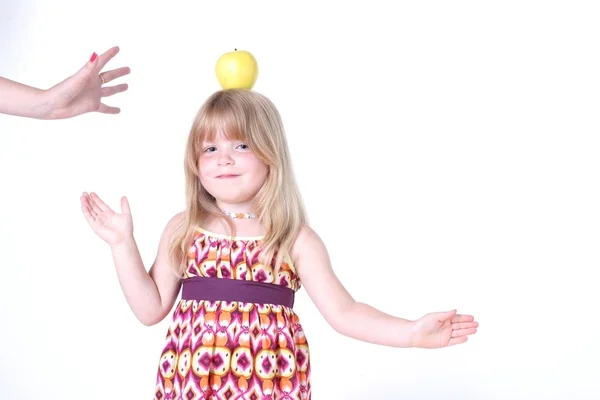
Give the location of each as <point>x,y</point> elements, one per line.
<point>447,153</point>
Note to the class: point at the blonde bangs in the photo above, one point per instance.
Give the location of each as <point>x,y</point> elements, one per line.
<point>217,120</point>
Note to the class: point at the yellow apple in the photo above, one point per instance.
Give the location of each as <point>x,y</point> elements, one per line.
<point>237,70</point>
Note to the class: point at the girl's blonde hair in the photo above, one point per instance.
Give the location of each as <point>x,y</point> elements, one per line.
<point>248,116</point>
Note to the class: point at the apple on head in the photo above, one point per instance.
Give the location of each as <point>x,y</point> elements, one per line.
<point>237,69</point>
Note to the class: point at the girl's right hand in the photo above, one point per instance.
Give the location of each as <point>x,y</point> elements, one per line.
<point>112,227</point>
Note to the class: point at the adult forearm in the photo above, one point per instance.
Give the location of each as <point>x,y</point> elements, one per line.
<point>138,287</point>
<point>22,100</point>
<point>363,322</point>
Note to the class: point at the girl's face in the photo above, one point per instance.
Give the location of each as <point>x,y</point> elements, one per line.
<point>231,172</point>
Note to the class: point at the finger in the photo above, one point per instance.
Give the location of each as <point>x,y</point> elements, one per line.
<point>104,109</point>
<point>115,74</point>
<point>125,205</point>
<point>464,325</point>
<point>462,318</point>
<point>85,202</point>
<point>106,57</point>
<point>464,332</point>
<point>443,316</point>
<point>87,214</point>
<point>457,340</point>
<point>98,201</point>
<point>109,91</point>
<point>87,210</point>
<point>95,206</point>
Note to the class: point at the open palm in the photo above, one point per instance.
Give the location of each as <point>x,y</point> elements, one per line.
<point>442,329</point>
<point>112,227</point>
<point>83,91</point>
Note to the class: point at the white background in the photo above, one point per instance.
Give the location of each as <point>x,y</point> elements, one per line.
<point>448,155</point>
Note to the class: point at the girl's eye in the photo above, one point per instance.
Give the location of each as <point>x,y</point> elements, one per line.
<point>209,149</point>
<point>244,146</point>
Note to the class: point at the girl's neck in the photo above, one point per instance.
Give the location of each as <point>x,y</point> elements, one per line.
<point>243,227</point>
<point>237,209</point>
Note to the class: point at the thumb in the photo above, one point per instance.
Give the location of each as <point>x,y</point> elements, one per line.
<point>125,205</point>
<point>84,73</point>
<point>446,315</point>
<point>70,87</point>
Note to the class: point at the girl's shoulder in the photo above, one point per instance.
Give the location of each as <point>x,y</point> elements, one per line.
<point>307,239</point>
<point>176,220</point>
<point>174,224</point>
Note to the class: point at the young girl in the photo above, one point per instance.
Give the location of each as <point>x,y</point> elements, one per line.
<point>241,249</point>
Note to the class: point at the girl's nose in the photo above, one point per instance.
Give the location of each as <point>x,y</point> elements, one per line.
<point>225,159</point>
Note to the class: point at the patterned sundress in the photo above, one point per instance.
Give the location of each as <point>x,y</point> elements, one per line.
<point>234,334</point>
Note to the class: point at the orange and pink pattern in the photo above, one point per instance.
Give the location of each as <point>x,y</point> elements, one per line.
<point>234,350</point>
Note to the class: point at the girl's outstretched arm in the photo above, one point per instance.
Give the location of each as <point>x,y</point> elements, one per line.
<point>361,321</point>
<point>151,294</point>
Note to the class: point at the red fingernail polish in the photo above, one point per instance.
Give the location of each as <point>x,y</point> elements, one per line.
<point>93,57</point>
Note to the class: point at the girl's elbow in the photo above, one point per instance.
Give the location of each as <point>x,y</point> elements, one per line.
<point>146,321</point>
<point>150,320</point>
<point>341,320</point>
<point>152,315</point>
<point>338,324</point>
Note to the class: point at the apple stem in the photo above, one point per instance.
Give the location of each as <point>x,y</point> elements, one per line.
<point>235,49</point>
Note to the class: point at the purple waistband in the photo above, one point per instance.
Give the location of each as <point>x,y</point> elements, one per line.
<point>226,289</point>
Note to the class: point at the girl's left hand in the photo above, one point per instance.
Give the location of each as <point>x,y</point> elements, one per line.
<point>442,329</point>
<point>82,92</point>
